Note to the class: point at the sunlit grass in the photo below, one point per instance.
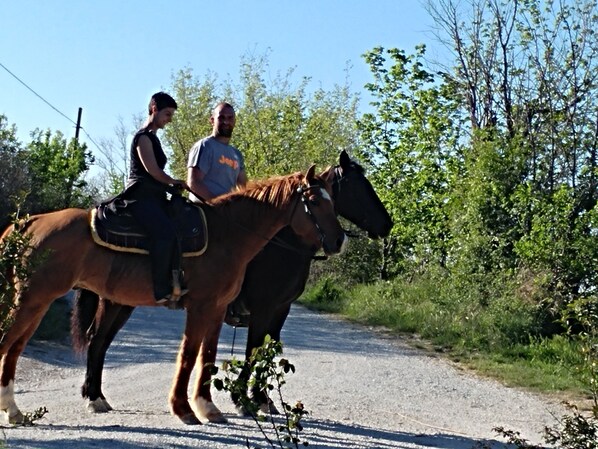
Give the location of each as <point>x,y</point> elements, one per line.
<point>497,336</point>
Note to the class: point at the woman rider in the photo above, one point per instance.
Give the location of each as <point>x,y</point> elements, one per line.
<point>146,195</point>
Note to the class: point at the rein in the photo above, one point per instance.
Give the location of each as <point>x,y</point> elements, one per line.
<point>339,179</point>
<point>276,240</point>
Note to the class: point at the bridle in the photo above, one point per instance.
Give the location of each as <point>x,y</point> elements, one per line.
<point>339,180</point>
<point>302,190</point>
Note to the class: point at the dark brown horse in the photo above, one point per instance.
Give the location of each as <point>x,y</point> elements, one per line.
<point>274,279</point>
<point>239,225</point>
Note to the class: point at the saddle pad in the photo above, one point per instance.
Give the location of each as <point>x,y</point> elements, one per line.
<point>122,233</point>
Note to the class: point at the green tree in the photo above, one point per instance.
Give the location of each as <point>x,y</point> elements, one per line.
<point>525,71</point>
<point>114,160</point>
<point>280,127</point>
<point>14,179</point>
<point>412,145</point>
<point>196,97</point>
<point>56,169</point>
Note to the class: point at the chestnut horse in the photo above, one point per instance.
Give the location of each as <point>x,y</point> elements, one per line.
<point>239,225</point>
<point>273,281</point>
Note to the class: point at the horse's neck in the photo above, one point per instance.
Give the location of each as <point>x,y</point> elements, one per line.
<point>248,224</point>
<point>287,237</point>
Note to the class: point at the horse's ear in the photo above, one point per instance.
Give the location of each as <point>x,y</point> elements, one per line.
<point>311,173</point>
<point>328,175</point>
<point>344,159</point>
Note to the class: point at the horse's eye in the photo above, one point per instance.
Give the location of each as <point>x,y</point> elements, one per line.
<point>314,200</point>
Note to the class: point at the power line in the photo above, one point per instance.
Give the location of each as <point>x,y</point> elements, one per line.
<point>49,104</point>
<point>36,94</point>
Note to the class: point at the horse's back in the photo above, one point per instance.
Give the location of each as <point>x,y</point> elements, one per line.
<point>59,242</point>
<point>71,223</point>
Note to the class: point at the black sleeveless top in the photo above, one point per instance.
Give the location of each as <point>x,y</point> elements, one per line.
<point>137,171</point>
<point>141,183</point>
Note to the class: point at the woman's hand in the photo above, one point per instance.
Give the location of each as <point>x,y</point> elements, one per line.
<point>180,184</point>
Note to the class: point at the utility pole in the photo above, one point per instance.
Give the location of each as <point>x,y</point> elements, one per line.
<point>78,125</point>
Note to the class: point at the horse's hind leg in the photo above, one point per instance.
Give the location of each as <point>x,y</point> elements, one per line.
<point>110,319</point>
<point>261,323</point>
<point>25,319</point>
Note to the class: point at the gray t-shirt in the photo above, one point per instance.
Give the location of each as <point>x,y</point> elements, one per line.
<point>220,163</point>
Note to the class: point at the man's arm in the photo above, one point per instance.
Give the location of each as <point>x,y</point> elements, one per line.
<point>242,179</point>
<point>195,181</point>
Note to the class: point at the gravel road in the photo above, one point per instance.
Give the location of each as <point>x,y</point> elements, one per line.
<point>362,389</point>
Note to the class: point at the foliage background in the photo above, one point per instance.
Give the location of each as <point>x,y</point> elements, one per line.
<point>487,164</point>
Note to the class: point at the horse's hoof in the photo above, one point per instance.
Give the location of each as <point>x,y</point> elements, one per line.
<point>107,405</point>
<point>269,408</point>
<point>208,411</point>
<point>216,417</point>
<point>16,418</point>
<point>190,419</point>
<point>98,405</point>
<point>242,411</point>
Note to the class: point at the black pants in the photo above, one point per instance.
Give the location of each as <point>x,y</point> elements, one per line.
<point>151,214</point>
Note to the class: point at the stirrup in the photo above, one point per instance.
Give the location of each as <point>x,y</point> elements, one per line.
<point>164,300</point>
<point>174,300</point>
<point>177,290</point>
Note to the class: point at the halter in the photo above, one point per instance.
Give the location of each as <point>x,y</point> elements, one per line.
<point>339,179</point>
<point>302,189</point>
<point>276,240</point>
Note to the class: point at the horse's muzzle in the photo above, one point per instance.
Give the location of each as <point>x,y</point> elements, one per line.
<point>338,247</point>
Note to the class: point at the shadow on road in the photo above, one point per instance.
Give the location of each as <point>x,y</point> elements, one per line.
<point>154,334</point>
<point>319,434</point>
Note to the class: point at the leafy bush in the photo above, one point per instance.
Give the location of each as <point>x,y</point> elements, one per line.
<point>12,264</point>
<point>326,296</point>
<point>268,376</point>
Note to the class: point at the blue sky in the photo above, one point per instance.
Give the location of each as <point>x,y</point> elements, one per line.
<point>109,56</point>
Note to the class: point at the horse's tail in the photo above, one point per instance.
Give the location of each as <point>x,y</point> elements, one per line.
<point>85,306</point>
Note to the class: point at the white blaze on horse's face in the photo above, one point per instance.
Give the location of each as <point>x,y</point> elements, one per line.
<point>322,229</point>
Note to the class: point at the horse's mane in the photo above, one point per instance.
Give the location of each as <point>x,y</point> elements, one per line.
<point>357,167</point>
<point>274,191</point>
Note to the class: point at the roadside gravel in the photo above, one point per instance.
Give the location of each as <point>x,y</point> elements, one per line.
<point>362,389</point>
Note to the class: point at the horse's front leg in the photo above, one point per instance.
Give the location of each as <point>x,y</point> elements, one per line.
<point>186,358</point>
<point>202,397</point>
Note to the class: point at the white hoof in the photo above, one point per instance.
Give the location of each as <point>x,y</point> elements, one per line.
<point>98,406</point>
<point>7,404</point>
<point>207,411</point>
<point>15,417</point>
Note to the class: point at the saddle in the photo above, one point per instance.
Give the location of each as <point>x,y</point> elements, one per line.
<point>113,227</point>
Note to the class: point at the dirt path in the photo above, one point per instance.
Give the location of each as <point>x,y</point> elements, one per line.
<point>363,391</point>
